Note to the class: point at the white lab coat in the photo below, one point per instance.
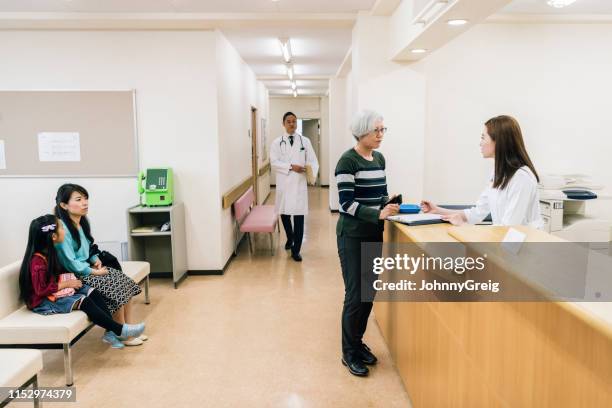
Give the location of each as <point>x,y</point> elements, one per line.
<point>292,187</point>
<point>517,204</point>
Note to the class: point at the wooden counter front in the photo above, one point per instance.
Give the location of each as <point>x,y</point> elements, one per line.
<point>495,354</point>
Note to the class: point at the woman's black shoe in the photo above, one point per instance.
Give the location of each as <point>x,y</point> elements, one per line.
<point>365,355</point>
<point>288,245</point>
<point>356,367</point>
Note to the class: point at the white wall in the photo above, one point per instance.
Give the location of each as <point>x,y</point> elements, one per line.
<point>400,28</point>
<point>22,200</point>
<point>435,109</point>
<point>340,137</point>
<point>324,142</point>
<point>174,75</point>
<point>399,97</point>
<point>555,79</point>
<point>398,93</point>
<point>263,106</point>
<point>237,91</point>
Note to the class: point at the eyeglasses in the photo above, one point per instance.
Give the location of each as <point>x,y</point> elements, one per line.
<point>382,131</point>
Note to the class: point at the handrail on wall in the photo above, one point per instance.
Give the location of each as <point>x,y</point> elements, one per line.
<point>237,191</point>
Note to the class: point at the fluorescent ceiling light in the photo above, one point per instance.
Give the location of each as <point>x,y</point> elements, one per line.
<point>559,3</point>
<point>431,12</point>
<point>457,22</point>
<point>418,51</point>
<point>290,72</point>
<point>285,45</point>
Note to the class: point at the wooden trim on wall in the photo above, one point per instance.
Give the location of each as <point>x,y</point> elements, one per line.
<point>265,168</point>
<point>254,152</point>
<point>234,194</point>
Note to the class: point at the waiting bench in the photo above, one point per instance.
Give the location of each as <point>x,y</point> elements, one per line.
<point>251,218</point>
<point>22,328</point>
<point>19,370</point>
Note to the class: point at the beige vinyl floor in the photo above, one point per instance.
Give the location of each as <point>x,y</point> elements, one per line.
<point>265,334</point>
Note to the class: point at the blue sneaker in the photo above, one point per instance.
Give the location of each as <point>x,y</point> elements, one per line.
<point>112,339</point>
<point>132,330</point>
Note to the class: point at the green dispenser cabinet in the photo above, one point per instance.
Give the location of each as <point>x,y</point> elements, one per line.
<point>155,187</point>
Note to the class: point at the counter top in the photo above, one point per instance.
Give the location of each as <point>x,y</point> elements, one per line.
<point>596,314</point>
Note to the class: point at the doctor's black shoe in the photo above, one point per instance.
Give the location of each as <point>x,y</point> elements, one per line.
<point>356,367</point>
<point>297,257</point>
<point>288,245</point>
<point>366,355</point>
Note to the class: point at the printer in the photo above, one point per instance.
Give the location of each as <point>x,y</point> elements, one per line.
<point>563,200</point>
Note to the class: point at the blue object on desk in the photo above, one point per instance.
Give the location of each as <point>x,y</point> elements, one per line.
<point>580,194</point>
<point>410,209</point>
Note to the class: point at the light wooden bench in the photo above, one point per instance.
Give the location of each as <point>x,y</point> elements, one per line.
<point>22,328</point>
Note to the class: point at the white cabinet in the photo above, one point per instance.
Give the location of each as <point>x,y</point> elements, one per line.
<point>164,250</point>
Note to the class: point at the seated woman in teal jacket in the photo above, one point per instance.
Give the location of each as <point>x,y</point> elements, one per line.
<point>72,205</point>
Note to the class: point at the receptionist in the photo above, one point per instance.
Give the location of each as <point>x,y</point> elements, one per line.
<point>512,195</point>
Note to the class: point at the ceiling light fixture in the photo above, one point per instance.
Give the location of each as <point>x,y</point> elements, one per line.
<point>418,51</point>
<point>293,85</point>
<point>457,22</point>
<point>430,12</point>
<point>285,45</point>
<point>559,3</point>
<point>290,72</point>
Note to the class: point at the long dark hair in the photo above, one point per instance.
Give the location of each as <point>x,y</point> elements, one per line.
<point>40,239</point>
<point>510,151</point>
<point>63,196</point>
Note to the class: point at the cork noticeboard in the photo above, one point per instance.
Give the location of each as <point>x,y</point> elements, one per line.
<point>98,128</point>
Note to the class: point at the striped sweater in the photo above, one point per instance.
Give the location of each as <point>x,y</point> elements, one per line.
<point>362,188</point>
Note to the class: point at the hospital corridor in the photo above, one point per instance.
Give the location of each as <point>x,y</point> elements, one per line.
<point>306,203</point>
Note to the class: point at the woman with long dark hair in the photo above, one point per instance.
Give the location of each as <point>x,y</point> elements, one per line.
<point>512,197</point>
<point>47,289</point>
<point>72,206</point>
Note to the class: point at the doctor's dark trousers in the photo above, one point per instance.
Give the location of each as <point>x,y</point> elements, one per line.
<point>355,311</point>
<point>294,233</point>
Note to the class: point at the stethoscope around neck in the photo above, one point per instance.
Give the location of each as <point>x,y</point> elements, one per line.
<point>285,142</point>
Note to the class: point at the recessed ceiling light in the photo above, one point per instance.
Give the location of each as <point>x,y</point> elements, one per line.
<point>559,3</point>
<point>457,22</point>
<point>419,51</point>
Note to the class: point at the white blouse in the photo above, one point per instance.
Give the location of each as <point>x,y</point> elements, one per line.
<point>517,204</point>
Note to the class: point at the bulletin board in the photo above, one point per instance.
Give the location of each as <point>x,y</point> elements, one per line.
<point>68,134</point>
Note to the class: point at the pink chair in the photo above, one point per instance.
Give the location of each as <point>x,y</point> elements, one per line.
<point>251,218</point>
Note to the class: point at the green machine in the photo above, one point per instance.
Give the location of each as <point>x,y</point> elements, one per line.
<point>158,189</point>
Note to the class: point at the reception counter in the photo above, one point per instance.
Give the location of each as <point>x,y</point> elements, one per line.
<point>496,354</point>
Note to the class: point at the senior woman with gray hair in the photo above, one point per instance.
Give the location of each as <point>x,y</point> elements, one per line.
<point>362,189</point>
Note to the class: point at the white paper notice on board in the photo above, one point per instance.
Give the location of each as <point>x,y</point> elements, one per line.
<point>59,147</point>
<point>2,156</point>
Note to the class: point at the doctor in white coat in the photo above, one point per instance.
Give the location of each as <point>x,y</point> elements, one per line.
<point>512,196</point>
<point>289,156</point>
